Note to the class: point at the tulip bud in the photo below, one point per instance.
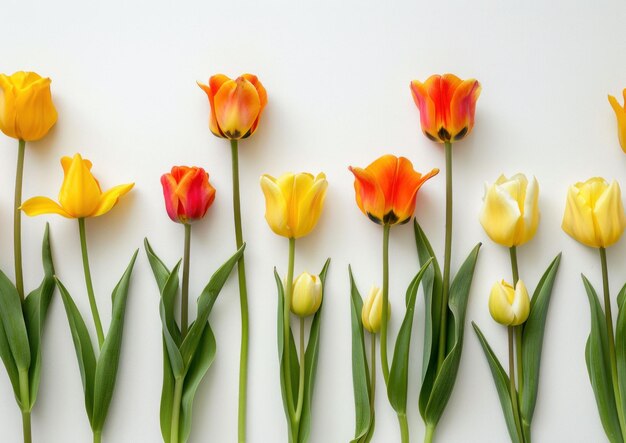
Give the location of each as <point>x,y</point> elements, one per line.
<point>508,306</point>
<point>372,312</point>
<point>307,295</point>
<point>188,193</point>
<point>510,212</point>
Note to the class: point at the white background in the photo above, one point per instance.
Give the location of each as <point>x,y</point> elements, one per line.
<point>337,76</point>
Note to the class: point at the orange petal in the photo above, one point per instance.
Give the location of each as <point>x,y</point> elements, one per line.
<point>237,106</point>
<point>427,109</point>
<point>369,195</point>
<point>462,108</point>
<point>408,182</point>
<point>384,169</point>
<point>262,98</point>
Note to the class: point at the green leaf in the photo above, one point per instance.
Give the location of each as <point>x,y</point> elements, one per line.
<point>360,370</point>
<point>205,304</point>
<point>13,321</point>
<point>399,373</point>
<point>167,397</point>
<point>108,361</point>
<point>160,271</point>
<point>445,379</point>
<point>310,364</point>
<point>532,341</point>
<point>83,346</point>
<point>9,363</point>
<point>620,345</point>
<point>171,332</point>
<point>432,285</point>
<point>35,310</point>
<point>599,368</point>
<point>502,381</point>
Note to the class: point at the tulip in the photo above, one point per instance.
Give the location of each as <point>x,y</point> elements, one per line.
<point>447,105</point>
<point>386,189</point>
<point>508,306</point>
<point>594,214</point>
<point>80,194</point>
<point>307,295</point>
<point>188,193</point>
<point>236,105</point>
<point>620,113</point>
<point>293,202</point>
<point>26,108</point>
<point>510,213</point>
<point>372,312</point>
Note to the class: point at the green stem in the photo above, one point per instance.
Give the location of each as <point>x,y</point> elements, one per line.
<point>447,257</point>
<point>385,314</point>
<point>512,390</point>
<point>178,395</point>
<point>287,326</point>
<point>301,379</point>
<point>17,219</point>
<point>430,434</point>
<point>404,428</point>
<point>514,267</point>
<point>243,297</point>
<point>184,299</point>
<point>25,401</point>
<point>609,331</point>
<point>518,329</point>
<point>97,436</point>
<point>90,293</point>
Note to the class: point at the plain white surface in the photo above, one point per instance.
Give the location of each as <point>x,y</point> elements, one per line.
<point>337,76</point>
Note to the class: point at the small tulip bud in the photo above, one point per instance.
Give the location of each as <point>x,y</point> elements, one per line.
<point>372,312</point>
<point>509,306</point>
<point>307,295</point>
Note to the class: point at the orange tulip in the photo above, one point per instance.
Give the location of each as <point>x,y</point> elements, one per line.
<point>446,105</point>
<point>236,105</point>
<point>386,189</point>
<point>188,193</point>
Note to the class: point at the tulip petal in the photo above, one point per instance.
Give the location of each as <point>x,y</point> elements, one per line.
<point>620,114</point>
<point>500,300</point>
<point>195,194</point>
<point>530,216</point>
<point>369,194</point>
<point>262,98</point>
<point>578,220</point>
<point>43,205</point>
<point>169,195</point>
<point>80,192</point>
<point>609,216</point>
<point>521,304</point>
<point>215,82</point>
<point>462,108</point>
<point>110,198</point>
<point>275,206</point>
<point>426,106</point>
<point>407,183</point>
<point>500,215</point>
<point>309,206</point>
<point>35,113</point>
<point>237,106</point>
<point>385,170</point>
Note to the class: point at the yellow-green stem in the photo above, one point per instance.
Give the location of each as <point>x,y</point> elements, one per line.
<point>97,436</point>
<point>287,327</point>
<point>243,297</point>
<point>301,378</point>
<point>518,329</point>
<point>25,400</point>
<point>88,283</point>
<point>404,428</point>
<point>176,402</point>
<point>17,219</point>
<point>512,391</point>
<point>184,297</point>
<point>385,315</point>
<point>430,434</point>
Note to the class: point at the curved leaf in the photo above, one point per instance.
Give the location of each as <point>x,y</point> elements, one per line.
<point>13,322</point>
<point>167,397</point>
<point>160,271</point>
<point>620,345</point>
<point>171,332</point>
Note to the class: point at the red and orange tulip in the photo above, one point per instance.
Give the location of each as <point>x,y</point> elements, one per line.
<point>386,190</point>
<point>447,105</point>
<point>236,105</point>
<point>188,193</point>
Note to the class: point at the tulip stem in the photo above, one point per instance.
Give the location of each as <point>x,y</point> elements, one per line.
<point>243,297</point>
<point>385,314</point>
<point>430,433</point>
<point>97,436</point>
<point>611,337</point>
<point>184,298</point>
<point>287,327</point>
<point>17,219</point>
<point>373,374</point>
<point>90,293</point>
<point>176,402</point>
<point>518,329</point>
<point>404,428</point>
<point>25,400</point>
<point>512,390</point>
<point>447,257</point>
<point>514,268</point>
<point>301,378</point>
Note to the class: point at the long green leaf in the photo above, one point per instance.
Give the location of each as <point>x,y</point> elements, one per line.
<point>598,366</point>
<point>171,332</point>
<point>9,363</point>
<point>167,397</point>
<point>13,322</point>
<point>532,341</point>
<point>108,361</point>
<point>501,380</point>
<point>160,271</point>
<point>83,346</point>
<point>310,363</point>
<point>399,373</point>
<point>620,345</point>
<point>444,383</point>
<point>360,369</point>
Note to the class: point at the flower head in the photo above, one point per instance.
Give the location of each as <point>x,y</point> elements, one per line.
<point>293,202</point>
<point>620,113</point>
<point>307,295</point>
<point>509,306</point>
<point>236,105</point>
<point>80,194</point>
<point>26,108</point>
<point>372,312</point>
<point>188,193</point>
<point>386,189</point>
<point>510,212</point>
<point>447,105</point>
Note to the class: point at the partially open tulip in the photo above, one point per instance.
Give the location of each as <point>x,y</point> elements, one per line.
<point>293,202</point>
<point>386,189</point>
<point>26,108</point>
<point>307,295</point>
<point>447,105</point>
<point>372,312</point>
<point>236,105</point>
<point>510,212</point>
<point>509,306</point>
<point>620,113</point>
<point>188,193</point>
<point>80,194</point>
<point>594,214</point>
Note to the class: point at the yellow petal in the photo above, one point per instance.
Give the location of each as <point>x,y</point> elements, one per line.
<point>609,216</point>
<point>309,206</point>
<point>578,220</point>
<point>275,206</point>
<point>80,192</point>
<point>500,300</point>
<point>530,209</point>
<point>521,304</point>
<point>34,110</point>
<point>500,215</point>
<point>110,198</point>
<point>620,114</point>
<point>42,205</point>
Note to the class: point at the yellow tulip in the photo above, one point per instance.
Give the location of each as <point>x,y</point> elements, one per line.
<point>594,214</point>
<point>508,306</point>
<point>293,202</point>
<point>26,108</point>
<point>372,312</point>
<point>510,212</point>
<point>80,194</point>
<point>620,113</point>
<point>307,295</point>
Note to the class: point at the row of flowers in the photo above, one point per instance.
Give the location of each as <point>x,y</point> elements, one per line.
<point>386,193</point>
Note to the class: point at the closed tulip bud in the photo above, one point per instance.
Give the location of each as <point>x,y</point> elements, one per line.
<point>26,108</point>
<point>372,312</point>
<point>620,114</point>
<point>307,295</point>
<point>188,193</point>
<point>594,214</point>
<point>509,306</point>
<point>510,212</point>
